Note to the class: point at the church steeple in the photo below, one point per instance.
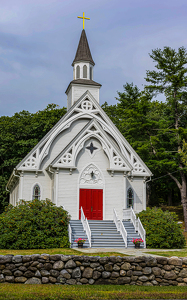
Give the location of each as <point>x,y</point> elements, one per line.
<point>83,53</point>
<point>83,62</point>
<point>83,66</point>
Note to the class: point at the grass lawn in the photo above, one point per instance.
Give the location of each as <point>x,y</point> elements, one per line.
<point>181,253</point>
<point>70,292</point>
<point>64,251</point>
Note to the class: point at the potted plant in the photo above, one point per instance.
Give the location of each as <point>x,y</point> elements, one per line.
<point>137,242</point>
<point>80,242</point>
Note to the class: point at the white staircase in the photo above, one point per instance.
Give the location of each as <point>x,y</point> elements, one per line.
<point>108,233</point>
<point>131,234</point>
<point>77,231</point>
<point>105,235</point>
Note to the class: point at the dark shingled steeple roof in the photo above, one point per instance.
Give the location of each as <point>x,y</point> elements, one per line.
<point>83,51</point>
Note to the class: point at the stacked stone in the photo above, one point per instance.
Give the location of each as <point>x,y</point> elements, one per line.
<point>71,269</point>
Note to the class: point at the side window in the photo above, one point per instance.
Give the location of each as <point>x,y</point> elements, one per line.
<point>130,198</point>
<point>77,72</point>
<point>84,71</point>
<point>91,73</point>
<point>36,192</point>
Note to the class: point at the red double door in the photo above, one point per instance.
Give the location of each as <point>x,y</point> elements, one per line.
<point>91,201</point>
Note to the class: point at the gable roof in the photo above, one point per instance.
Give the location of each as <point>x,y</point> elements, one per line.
<point>79,110</point>
<point>83,51</point>
<point>67,157</point>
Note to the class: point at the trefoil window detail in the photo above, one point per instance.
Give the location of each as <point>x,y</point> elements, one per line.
<point>36,192</point>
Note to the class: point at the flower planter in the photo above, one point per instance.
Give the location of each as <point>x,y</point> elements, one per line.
<point>80,242</point>
<point>80,245</point>
<point>137,245</point>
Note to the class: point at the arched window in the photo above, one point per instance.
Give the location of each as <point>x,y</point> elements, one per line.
<point>77,72</point>
<point>84,71</point>
<point>130,198</point>
<point>91,73</point>
<point>36,192</point>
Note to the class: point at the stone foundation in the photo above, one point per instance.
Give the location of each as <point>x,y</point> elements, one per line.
<point>72,269</point>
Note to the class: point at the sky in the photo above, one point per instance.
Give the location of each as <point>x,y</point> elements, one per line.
<point>39,39</point>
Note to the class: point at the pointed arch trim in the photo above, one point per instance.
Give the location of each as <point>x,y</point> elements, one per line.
<point>36,191</point>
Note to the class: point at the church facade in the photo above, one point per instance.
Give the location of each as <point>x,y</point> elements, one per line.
<point>83,161</point>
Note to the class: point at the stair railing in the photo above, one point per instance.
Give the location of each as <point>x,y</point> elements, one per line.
<point>86,227</point>
<point>120,227</point>
<point>133,217</point>
<point>141,231</point>
<point>130,215</point>
<point>126,214</point>
<point>115,219</point>
<point>123,232</point>
<point>69,233</point>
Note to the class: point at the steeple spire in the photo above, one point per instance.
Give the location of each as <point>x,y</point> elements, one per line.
<point>83,51</point>
<point>83,66</point>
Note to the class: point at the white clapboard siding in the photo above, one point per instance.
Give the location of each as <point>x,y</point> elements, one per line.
<point>14,193</point>
<point>44,181</point>
<point>78,91</point>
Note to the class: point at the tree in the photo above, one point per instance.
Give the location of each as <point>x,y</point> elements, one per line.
<point>162,229</point>
<point>18,135</point>
<point>170,78</point>
<point>141,120</point>
<point>183,153</point>
<point>36,224</point>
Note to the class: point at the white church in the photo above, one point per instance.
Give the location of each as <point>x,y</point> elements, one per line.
<point>83,161</point>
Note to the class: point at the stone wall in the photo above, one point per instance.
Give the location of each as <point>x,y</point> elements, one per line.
<point>72,269</point>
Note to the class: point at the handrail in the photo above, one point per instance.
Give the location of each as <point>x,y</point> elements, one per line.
<point>120,227</point>
<point>69,233</point>
<point>126,214</point>
<point>129,214</point>
<point>142,231</point>
<point>88,232</point>
<point>115,219</point>
<point>133,217</point>
<point>82,217</point>
<point>123,232</point>
<point>86,227</point>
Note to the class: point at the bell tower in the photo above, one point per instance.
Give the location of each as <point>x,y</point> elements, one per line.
<point>83,72</point>
<point>83,63</point>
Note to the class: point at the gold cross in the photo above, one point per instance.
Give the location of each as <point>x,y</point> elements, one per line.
<point>84,18</point>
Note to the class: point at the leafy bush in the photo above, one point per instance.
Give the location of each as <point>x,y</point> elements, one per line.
<point>34,225</point>
<point>162,230</point>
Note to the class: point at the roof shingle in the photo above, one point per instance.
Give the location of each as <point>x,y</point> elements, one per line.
<point>83,51</point>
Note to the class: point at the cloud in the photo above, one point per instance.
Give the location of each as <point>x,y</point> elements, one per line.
<point>39,38</point>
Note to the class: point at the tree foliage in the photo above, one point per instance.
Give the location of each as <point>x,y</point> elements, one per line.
<point>158,130</point>
<point>170,78</point>
<point>34,225</point>
<point>162,229</point>
<point>18,135</point>
<point>143,122</point>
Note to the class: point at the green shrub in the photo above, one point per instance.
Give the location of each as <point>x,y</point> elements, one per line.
<point>34,225</point>
<point>162,230</point>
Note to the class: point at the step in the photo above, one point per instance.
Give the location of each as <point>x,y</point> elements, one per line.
<point>78,232</point>
<point>94,238</point>
<point>105,234</point>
